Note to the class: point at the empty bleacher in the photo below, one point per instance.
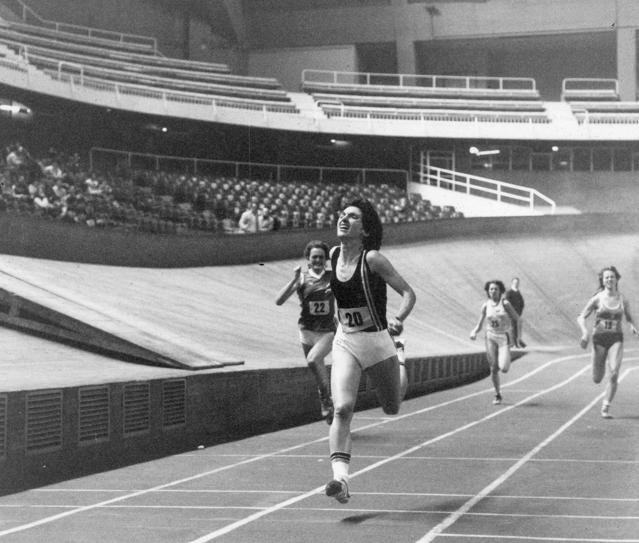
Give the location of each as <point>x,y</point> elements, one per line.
<point>16,14</point>
<point>104,65</point>
<point>596,101</point>
<point>81,39</point>
<point>425,97</point>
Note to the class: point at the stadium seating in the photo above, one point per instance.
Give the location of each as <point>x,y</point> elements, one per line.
<point>424,98</point>
<point>166,202</point>
<point>597,101</point>
<point>82,39</point>
<point>143,74</point>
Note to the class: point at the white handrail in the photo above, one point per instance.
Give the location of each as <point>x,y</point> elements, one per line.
<point>483,187</point>
<point>278,168</point>
<point>25,12</point>
<point>434,81</point>
<point>589,84</point>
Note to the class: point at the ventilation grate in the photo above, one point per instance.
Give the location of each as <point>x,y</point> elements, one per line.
<point>3,426</point>
<point>93,420</point>
<point>137,408</point>
<point>174,403</point>
<point>44,420</point>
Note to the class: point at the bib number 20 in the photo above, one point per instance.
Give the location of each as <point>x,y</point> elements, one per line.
<point>354,318</point>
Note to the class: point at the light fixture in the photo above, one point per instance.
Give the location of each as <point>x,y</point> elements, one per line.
<point>475,151</point>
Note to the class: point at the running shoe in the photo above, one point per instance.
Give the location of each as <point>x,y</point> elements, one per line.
<point>605,411</point>
<point>497,399</point>
<point>338,489</point>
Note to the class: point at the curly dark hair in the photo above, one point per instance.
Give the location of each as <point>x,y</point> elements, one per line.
<point>371,224</point>
<point>500,286</point>
<point>316,244</point>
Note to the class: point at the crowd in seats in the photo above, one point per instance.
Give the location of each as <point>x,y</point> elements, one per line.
<point>58,187</point>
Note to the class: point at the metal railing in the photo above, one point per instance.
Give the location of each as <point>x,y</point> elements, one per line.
<point>422,81</point>
<point>483,187</point>
<point>101,156</point>
<point>590,84</point>
<point>29,16</point>
<point>334,110</point>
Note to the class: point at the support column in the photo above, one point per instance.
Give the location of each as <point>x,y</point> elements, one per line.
<point>406,63</point>
<point>627,63</point>
<point>404,37</point>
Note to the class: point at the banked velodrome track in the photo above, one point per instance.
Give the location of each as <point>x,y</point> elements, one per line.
<point>229,311</point>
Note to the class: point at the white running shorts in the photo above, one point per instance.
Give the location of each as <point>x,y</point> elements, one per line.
<point>368,348</point>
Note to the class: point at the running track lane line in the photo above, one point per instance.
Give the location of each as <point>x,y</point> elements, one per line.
<point>466,507</point>
<point>548,539</point>
<point>59,516</point>
<point>243,522</point>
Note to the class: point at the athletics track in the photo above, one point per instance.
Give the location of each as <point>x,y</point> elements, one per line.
<point>544,466</point>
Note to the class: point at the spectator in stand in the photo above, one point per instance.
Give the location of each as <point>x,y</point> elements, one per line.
<point>514,296</point>
<point>15,162</point>
<point>92,185</point>
<point>41,201</point>
<point>20,190</point>
<point>320,219</point>
<point>285,216</point>
<point>265,221</point>
<point>296,220</point>
<point>248,219</point>
<point>53,171</point>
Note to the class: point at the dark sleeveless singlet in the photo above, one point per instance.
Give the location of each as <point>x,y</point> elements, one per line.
<point>607,330</point>
<point>316,300</point>
<point>361,301</point>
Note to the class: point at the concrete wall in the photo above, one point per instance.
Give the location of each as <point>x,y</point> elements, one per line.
<point>39,238</point>
<point>286,65</point>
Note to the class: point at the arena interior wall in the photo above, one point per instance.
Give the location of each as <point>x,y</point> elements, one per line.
<point>46,239</point>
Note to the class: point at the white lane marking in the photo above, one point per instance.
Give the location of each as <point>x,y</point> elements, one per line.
<point>465,508</point>
<point>46,520</point>
<point>129,495</point>
<point>531,497</point>
<point>412,512</point>
<point>243,522</point>
<point>492,537</point>
<point>322,457</point>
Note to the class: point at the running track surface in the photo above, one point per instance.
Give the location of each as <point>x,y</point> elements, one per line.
<point>451,467</point>
<point>543,466</point>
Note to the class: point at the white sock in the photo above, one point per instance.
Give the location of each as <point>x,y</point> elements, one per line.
<point>340,469</point>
